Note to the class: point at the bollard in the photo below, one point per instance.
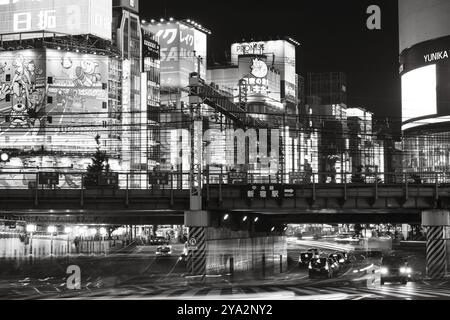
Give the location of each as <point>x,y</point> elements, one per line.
<point>264,265</point>
<point>281,263</point>
<point>232,266</point>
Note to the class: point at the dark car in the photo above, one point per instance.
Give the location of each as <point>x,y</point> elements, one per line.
<point>335,265</point>
<point>340,257</point>
<point>321,267</point>
<point>395,269</point>
<point>305,257</point>
<point>159,241</point>
<point>164,251</point>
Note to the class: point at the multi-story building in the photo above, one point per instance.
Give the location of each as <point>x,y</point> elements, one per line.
<point>331,87</point>
<point>71,80</point>
<point>183,50</point>
<point>424,69</point>
<point>127,36</point>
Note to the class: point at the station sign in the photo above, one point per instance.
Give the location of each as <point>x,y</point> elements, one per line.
<point>263,192</point>
<point>271,192</point>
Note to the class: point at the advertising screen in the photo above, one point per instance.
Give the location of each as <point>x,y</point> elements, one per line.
<point>52,99</point>
<point>180,44</point>
<point>63,16</point>
<point>79,105</point>
<point>419,95</point>
<point>280,53</point>
<point>22,98</point>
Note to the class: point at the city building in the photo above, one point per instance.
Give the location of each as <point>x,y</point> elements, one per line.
<point>331,87</point>
<point>183,50</point>
<point>59,86</point>
<point>424,70</point>
<point>69,89</point>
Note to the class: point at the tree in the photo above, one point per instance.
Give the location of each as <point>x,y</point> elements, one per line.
<point>358,177</point>
<point>98,166</point>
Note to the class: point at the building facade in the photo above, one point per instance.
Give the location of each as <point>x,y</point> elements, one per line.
<point>425,73</point>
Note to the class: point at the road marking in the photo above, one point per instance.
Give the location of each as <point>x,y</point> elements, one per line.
<point>408,292</point>
<point>302,291</point>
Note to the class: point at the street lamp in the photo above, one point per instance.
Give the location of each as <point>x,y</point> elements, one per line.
<point>4,157</point>
<point>31,228</point>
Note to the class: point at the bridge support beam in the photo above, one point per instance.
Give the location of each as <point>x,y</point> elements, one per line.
<point>216,249</point>
<point>436,223</point>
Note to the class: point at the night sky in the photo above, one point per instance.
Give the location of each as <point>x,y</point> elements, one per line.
<point>333,35</point>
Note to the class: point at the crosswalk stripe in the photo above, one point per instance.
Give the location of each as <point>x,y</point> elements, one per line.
<point>408,292</point>
<point>345,290</point>
<point>214,292</point>
<point>424,293</point>
<point>302,291</point>
<point>383,293</point>
<point>325,291</point>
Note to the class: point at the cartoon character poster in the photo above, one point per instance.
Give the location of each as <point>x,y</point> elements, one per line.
<point>22,93</point>
<point>79,92</point>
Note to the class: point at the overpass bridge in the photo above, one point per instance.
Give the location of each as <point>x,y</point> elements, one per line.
<point>165,202</point>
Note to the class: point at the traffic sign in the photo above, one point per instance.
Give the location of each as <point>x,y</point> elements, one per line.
<point>158,178</point>
<point>48,178</point>
<point>192,244</point>
<point>288,193</point>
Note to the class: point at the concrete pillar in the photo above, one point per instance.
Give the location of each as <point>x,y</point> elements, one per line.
<point>436,223</point>
<point>405,231</point>
<point>197,222</point>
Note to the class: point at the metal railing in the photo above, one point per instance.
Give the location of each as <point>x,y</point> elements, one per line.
<point>70,180</point>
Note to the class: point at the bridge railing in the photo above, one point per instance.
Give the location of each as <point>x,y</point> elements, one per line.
<point>160,181</point>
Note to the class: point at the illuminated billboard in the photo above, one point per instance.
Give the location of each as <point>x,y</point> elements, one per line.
<point>419,97</point>
<point>52,100</point>
<point>180,47</point>
<point>281,53</point>
<point>79,104</point>
<point>62,16</point>
<point>22,98</point>
<point>425,72</point>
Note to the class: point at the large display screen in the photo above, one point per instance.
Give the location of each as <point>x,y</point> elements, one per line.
<point>279,52</point>
<point>63,16</point>
<point>79,96</point>
<point>52,99</point>
<point>419,95</point>
<point>180,47</point>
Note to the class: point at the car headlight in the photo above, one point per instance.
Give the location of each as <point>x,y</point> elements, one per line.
<point>384,271</point>
<point>408,270</point>
<point>403,270</point>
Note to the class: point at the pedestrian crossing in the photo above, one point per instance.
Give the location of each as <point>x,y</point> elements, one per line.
<point>413,291</point>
